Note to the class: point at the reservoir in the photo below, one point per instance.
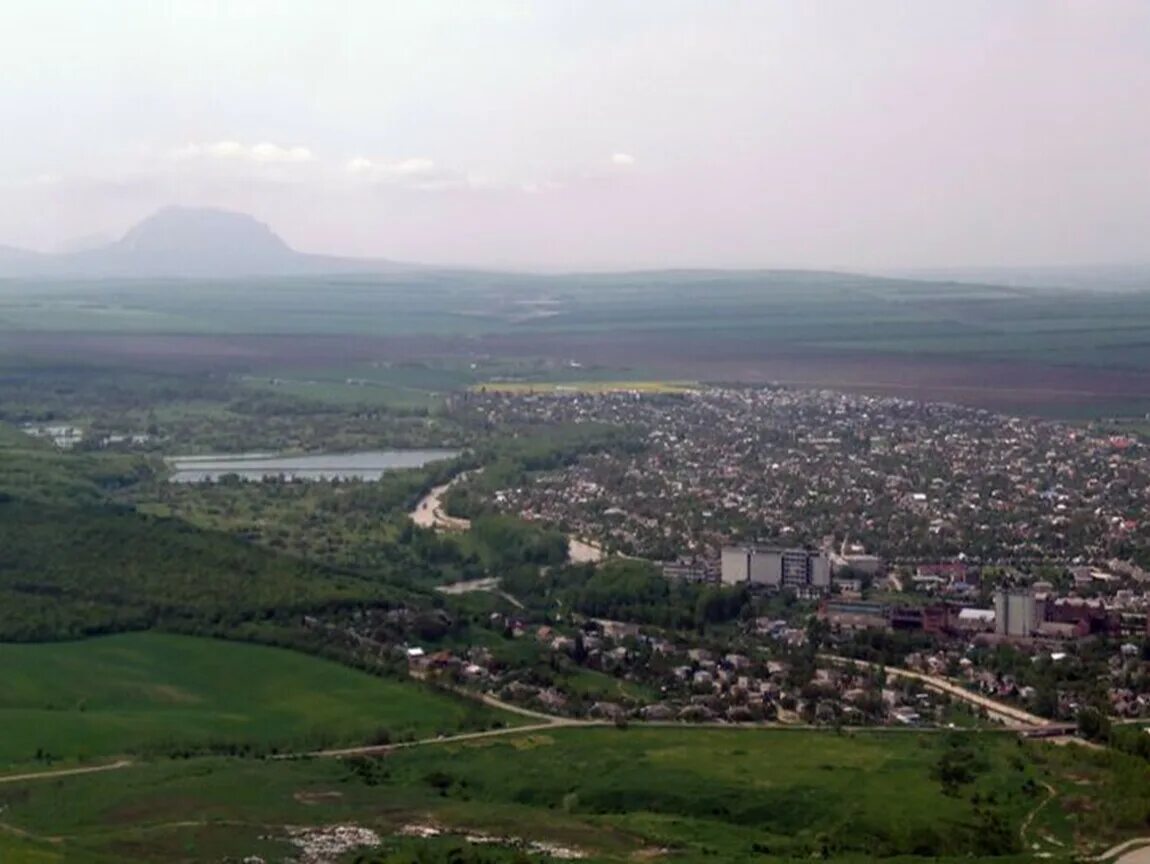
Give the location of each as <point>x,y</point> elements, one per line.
<point>366,465</point>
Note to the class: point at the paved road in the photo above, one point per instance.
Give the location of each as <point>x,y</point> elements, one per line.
<point>65,772</point>
<point>1008,714</point>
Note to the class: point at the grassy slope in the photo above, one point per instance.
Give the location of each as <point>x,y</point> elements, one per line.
<point>147,691</point>
<point>707,795</point>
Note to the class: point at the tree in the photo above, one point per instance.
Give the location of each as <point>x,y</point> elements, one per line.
<point>1093,724</point>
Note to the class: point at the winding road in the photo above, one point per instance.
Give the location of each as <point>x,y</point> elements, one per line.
<point>429,513</point>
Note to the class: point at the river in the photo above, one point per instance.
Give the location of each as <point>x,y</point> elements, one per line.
<point>364,465</point>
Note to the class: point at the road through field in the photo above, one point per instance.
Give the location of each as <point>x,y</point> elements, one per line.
<point>65,772</point>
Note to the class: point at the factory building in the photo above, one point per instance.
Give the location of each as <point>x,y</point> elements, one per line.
<point>1015,612</point>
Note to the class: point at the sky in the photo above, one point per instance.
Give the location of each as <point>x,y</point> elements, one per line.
<point>586,134</point>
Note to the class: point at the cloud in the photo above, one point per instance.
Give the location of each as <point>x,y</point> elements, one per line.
<point>414,173</point>
<point>36,181</point>
<point>263,152</point>
<point>622,159</point>
<point>541,186</point>
<point>399,170</point>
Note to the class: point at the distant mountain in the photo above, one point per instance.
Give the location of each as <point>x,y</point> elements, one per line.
<point>83,243</point>
<point>188,242</point>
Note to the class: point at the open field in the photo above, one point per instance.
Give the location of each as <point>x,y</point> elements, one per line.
<point>1057,352</point>
<point>682,795</point>
<point>150,692</point>
<point>586,386</point>
<point>1051,386</point>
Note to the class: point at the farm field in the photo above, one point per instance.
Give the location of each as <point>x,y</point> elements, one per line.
<point>152,693</point>
<point>407,340</point>
<point>622,386</point>
<point>682,795</point>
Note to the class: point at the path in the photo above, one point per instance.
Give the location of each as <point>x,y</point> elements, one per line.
<point>381,749</point>
<point>1051,793</point>
<point>1135,851</point>
<point>65,772</point>
<point>490,584</point>
<point>1007,714</point>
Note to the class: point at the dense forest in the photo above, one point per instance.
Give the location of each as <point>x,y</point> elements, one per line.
<point>78,557</point>
<point>74,562</point>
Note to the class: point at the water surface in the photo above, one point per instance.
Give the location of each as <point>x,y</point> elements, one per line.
<point>364,465</point>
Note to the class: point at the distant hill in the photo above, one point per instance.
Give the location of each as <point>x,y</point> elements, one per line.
<point>1082,277</point>
<point>187,242</point>
<point>10,255</point>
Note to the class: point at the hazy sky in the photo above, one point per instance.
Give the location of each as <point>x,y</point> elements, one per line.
<point>556,134</point>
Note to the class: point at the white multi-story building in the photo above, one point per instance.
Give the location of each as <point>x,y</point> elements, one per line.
<point>775,567</point>
<point>1015,612</point>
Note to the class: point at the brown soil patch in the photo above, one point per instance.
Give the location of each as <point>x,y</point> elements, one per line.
<point>317,797</point>
<point>1079,805</point>
<point>649,853</point>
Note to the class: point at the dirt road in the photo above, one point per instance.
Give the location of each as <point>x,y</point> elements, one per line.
<point>65,772</point>
<point>428,513</point>
<point>380,749</point>
<point>1136,851</point>
<point>491,583</point>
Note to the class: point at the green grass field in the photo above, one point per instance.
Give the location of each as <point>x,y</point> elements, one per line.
<point>148,692</point>
<point>680,795</point>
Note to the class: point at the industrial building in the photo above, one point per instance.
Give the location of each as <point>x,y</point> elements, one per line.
<point>1015,612</point>
<point>775,567</point>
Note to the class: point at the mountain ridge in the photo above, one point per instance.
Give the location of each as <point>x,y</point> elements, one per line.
<point>178,241</point>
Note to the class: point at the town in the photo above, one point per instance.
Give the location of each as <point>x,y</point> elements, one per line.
<point>1002,553</point>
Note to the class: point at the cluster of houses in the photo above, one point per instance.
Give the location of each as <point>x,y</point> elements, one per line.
<point>910,481</point>
<point>67,436</point>
<point>646,676</point>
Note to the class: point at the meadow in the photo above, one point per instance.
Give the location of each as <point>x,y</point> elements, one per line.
<point>154,693</point>
<point>682,795</point>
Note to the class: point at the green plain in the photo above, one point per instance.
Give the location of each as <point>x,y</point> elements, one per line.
<point>148,692</point>
<point>684,795</point>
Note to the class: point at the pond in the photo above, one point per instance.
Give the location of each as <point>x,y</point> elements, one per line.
<point>365,465</point>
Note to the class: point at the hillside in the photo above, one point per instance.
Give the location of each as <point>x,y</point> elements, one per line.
<point>72,563</point>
